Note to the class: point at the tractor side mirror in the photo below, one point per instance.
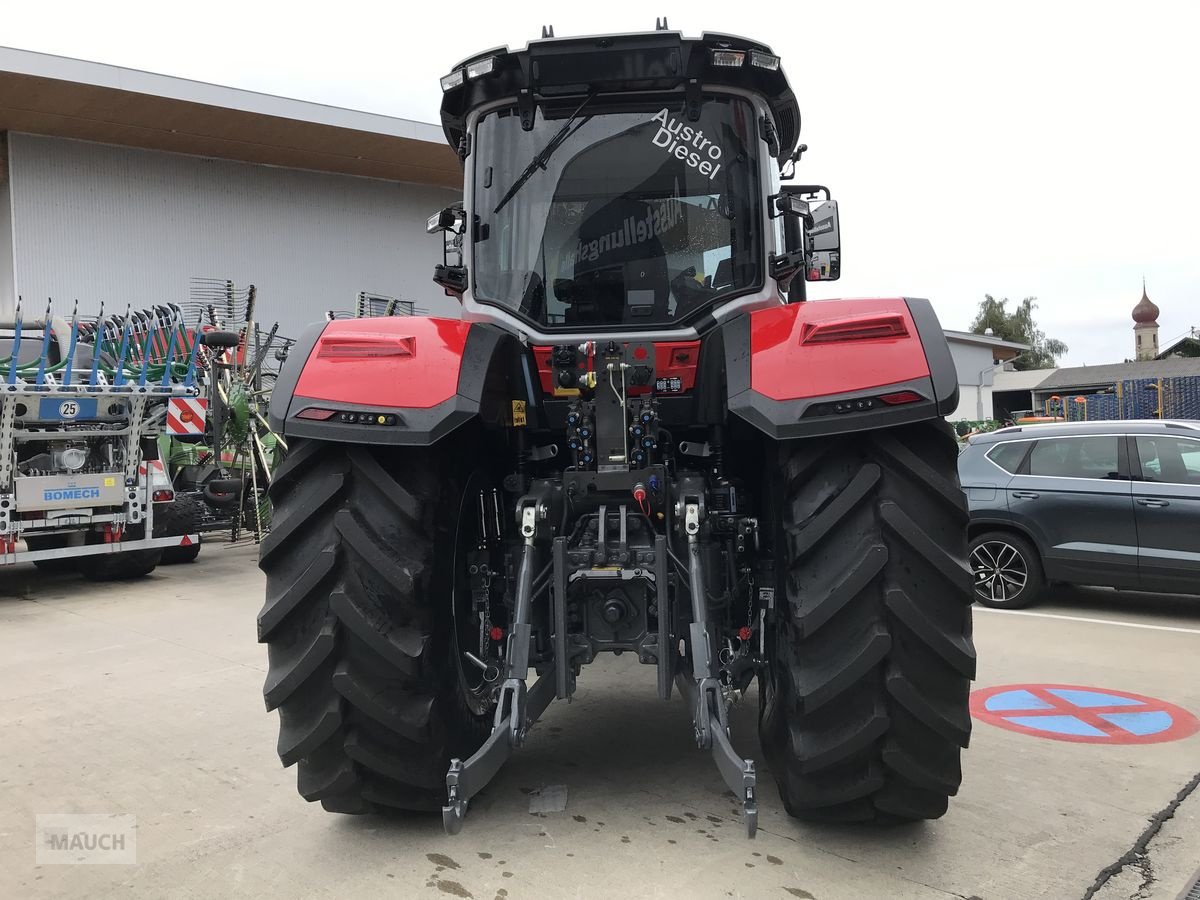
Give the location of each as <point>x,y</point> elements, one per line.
<point>824,262</point>
<point>451,275</point>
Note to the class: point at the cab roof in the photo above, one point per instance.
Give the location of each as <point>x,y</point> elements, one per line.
<point>555,69</point>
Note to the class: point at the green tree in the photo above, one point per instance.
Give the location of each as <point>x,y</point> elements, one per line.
<point>1019,326</point>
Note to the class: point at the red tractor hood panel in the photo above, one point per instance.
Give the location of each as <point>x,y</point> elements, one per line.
<point>825,347</point>
<point>405,362</point>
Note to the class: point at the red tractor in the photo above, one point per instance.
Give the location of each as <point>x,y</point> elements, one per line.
<point>638,438</point>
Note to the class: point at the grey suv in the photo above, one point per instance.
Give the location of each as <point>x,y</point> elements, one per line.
<point>1104,503</point>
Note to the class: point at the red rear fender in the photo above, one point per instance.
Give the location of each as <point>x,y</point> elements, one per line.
<point>397,362</point>
<point>405,380</point>
<point>828,366</point>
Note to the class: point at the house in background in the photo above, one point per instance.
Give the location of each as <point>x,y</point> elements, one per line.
<point>1186,347</point>
<point>1012,391</point>
<point>978,357</point>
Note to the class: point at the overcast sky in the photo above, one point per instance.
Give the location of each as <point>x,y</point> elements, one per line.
<point>1013,148</point>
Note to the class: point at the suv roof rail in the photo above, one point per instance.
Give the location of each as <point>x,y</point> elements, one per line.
<point>1056,427</point>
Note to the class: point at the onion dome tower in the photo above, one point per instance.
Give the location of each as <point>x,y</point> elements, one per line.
<point>1145,327</point>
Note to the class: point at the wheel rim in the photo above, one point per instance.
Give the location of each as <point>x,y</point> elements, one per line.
<point>1001,571</point>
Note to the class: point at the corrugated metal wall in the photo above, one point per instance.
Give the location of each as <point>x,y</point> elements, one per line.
<point>93,221</point>
<point>7,286</point>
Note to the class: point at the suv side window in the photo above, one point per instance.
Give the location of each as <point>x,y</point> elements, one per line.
<point>1008,455</point>
<point>1169,460</point>
<point>1076,457</point>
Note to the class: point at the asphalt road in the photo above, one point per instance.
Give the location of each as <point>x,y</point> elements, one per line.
<point>144,698</point>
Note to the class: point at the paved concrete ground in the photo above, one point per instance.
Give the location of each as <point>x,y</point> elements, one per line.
<point>144,698</point>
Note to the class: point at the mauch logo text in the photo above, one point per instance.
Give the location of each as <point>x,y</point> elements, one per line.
<point>85,838</point>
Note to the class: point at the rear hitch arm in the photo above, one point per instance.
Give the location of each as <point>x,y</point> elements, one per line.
<point>467,778</point>
<point>518,707</point>
<point>704,692</point>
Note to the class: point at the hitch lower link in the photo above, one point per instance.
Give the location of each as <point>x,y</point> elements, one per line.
<point>703,690</point>
<point>517,707</point>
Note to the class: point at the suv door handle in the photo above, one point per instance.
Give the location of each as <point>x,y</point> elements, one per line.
<point>1025,495</point>
<point>1150,501</point>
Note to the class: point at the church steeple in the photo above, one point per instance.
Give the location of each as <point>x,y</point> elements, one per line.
<point>1145,328</point>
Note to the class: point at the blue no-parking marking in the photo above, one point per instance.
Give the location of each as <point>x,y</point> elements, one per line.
<point>1085,715</point>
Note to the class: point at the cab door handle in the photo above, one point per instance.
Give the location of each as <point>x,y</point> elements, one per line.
<point>1151,501</point>
<point>1025,495</point>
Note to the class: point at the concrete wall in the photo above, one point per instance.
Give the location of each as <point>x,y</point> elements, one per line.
<point>94,221</point>
<point>975,373</point>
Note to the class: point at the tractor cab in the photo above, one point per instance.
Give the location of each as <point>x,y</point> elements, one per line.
<point>626,183</point>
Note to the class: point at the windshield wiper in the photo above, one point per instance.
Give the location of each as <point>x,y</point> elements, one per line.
<point>539,161</point>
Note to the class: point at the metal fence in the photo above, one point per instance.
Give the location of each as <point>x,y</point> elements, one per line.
<point>1141,398</point>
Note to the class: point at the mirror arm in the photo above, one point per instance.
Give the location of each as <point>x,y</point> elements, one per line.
<point>808,191</point>
<point>787,168</point>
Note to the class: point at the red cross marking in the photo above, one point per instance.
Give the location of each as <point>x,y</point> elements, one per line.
<point>1061,707</point>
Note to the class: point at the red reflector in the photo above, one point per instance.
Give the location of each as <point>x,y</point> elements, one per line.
<point>862,329</point>
<point>496,633</point>
<point>744,634</point>
<point>164,496</point>
<point>315,412</point>
<point>900,397</point>
<point>185,541</point>
<point>366,345</point>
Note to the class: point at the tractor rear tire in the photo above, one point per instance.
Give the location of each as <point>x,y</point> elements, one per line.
<point>358,624</point>
<point>179,517</point>
<point>864,707</point>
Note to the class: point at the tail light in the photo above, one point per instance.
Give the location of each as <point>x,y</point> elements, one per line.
<point>316,413</point>
<point>164,496</point>
<point>901,397</point>
<point>865,328</point>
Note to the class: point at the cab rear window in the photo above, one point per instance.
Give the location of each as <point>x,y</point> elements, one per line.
<point>1009,455</point>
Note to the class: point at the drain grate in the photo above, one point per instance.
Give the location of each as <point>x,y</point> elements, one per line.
<point>1193,892</point>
